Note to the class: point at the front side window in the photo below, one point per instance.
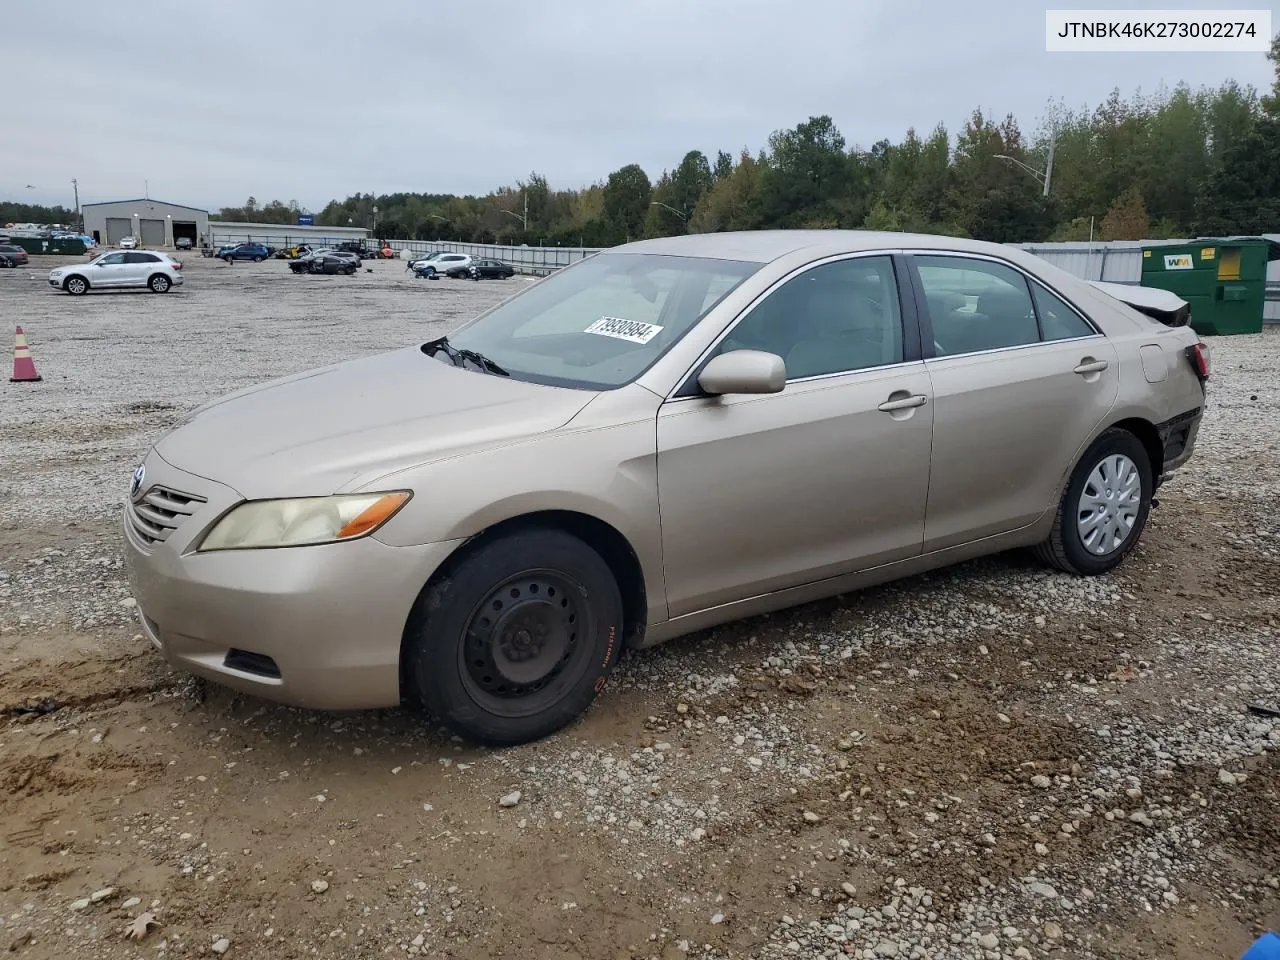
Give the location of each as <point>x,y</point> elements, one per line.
<point>111,259</point>
<point>976,305</point>
<point>836,317</point>
<point>602,322</point>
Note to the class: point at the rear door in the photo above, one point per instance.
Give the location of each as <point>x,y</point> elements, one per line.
<point>138,267</point>
<point>1021,380</point>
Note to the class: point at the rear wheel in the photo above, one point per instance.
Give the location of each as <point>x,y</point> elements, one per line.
<point>76,285</point>
<point>159,283</point>
<point>516,641</point>
<point>257,259</point>
<point>1104,508</point>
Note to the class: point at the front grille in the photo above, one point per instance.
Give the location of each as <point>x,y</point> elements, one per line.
<point>161,512</point>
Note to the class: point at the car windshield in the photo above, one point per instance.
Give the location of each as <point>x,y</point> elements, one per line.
<point>601,323</point>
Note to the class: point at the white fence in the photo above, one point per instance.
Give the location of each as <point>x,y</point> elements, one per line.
<point>1116,261</point>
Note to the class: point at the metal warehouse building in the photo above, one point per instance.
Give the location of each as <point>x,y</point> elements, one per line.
<point>154,222</point>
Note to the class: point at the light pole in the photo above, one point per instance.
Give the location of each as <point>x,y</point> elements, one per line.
<point>75,185</point>
<point>1044,176</point>
<point>375,221</point>
<point>524,220</point>
<point>678,213</point>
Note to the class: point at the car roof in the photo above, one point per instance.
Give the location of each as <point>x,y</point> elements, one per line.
<point>763,246</point>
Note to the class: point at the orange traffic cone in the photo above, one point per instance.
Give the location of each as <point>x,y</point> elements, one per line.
<point>24,368</point>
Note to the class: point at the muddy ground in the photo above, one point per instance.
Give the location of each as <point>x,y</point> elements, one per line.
<point>991,761</point>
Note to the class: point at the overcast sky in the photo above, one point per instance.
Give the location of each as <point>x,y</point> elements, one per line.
<point>313,99</point>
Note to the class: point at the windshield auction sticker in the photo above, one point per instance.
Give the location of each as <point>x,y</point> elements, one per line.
<point>631,330</point>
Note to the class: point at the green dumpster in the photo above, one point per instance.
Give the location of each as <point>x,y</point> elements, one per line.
<point>58,246</point>
<point>1224,279</point>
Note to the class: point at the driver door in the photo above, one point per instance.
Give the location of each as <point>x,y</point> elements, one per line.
<point>759,493</point>
<point>110,271</point>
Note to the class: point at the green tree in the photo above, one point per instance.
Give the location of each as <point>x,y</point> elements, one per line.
<point>809,179</point>
<point>626,200</point>
<point>724,164</point>
<point>1127,219</point>
<point>733,203</point>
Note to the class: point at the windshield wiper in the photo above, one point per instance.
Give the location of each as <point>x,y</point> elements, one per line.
<point>459,358</point>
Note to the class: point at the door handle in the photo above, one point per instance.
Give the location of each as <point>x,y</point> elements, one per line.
<point>1091,366</point>
<point>906,403</point>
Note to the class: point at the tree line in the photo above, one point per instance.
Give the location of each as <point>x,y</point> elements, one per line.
<point>1179,162</point>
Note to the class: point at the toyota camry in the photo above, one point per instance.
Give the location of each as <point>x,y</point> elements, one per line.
<point>667,435</point>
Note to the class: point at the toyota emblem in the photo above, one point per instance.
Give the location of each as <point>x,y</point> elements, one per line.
<point>136,484</point>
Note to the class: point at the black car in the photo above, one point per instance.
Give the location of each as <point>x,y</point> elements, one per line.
<point>12,255</point>
<point>358,248</point>
<point>491,270</point>
<point>326,261</point>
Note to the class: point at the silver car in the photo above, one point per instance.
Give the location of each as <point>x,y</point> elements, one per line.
<point>666,436</point>
<point>140,269</point>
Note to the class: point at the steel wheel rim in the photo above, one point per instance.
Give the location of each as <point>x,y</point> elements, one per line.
<point>526,643</point>
<point>1109,505</point>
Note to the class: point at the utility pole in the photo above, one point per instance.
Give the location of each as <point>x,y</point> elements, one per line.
<point>146,189</point>
<point>75,185</point>
<point>1048,167</point>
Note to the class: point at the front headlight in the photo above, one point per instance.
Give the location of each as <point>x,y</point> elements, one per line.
<point>307,520</point>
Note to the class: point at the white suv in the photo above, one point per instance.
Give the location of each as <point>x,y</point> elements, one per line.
<point>148,269</point>
<point>448,264</point>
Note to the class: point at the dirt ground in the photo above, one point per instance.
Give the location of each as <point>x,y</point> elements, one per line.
<point>991,761</point>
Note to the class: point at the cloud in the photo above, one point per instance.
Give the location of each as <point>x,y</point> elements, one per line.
<point>213,103</point>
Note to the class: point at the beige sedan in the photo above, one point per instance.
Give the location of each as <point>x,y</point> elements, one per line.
<point>666,436</point>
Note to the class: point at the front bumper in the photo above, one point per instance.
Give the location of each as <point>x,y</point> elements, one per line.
<point>317,626</point>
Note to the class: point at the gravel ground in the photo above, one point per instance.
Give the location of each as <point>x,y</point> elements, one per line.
<point>988,762</point>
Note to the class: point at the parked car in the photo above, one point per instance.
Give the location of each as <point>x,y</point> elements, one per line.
<point>668,435</point>
<point>445,264</point>
<point>359,249</point>
<point>12,255</point>
<point>328,261</point>
<point>417,263</point>
<point>128,243</point>
<point>491,270</point>
<point>183,243</point>
<point>257,252</point>
<point>293,252</point>
<point>147,269</point>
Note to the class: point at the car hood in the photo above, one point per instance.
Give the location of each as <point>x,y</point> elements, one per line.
<point>342,427</point>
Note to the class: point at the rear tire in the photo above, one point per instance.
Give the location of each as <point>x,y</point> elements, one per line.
<point>517,641</point>
<point>257,259</point>
<point>75,285</point>
<point>159,283</point>
<point>1104,507</point>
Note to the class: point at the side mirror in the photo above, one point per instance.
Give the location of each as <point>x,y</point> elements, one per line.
<point>744,371</point>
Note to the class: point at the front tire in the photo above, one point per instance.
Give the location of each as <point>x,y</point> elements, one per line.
<point>517,641</point>
<point>76,286</point>
<point>159,283</point>
<point>1104,508</point>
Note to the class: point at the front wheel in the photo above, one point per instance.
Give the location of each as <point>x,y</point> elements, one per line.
<point>159,283</point>
<point>1104,508</point>
<point>518,639</point>
<point>76,286</point>
<point>227,259</point>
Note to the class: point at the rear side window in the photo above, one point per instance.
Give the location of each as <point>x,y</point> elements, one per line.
<point>141,258</point>
<point>1058,321</point>
<point>976,305</point>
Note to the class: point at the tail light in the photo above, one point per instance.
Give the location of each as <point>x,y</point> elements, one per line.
<point>1198,354</point>
<point>177,265</point>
